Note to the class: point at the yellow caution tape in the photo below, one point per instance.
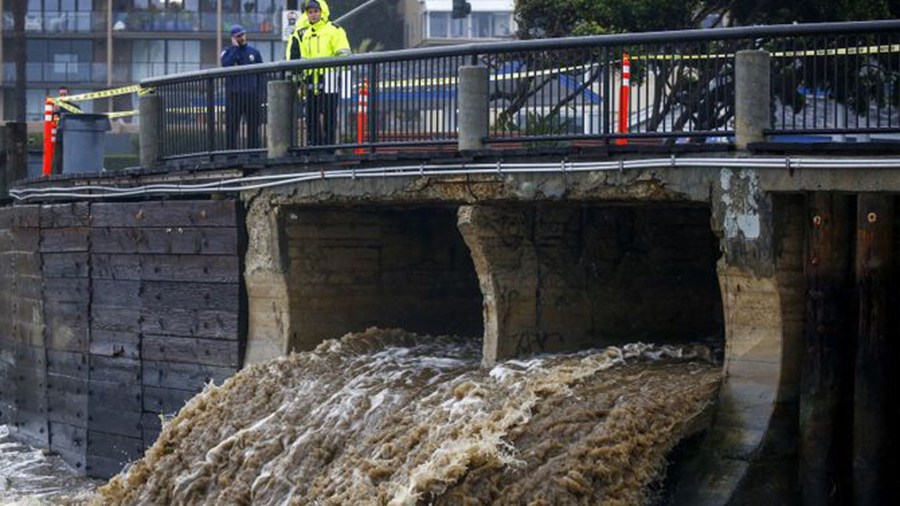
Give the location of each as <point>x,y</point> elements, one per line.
<point>67,106</point>
<point>122,114</point>
<point>100,94</point>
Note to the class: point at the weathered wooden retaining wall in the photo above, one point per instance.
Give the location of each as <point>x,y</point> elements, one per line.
<point>112,314</point>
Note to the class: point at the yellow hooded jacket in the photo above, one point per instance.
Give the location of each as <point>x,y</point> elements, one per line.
<point>323,39</point>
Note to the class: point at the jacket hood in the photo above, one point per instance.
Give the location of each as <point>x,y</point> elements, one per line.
<point>326,13</point>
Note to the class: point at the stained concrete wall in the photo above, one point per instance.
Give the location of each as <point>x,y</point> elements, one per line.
<point>351,268</point>
<point>562,277</point>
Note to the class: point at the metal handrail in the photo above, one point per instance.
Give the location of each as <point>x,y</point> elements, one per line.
<point>546,90</point>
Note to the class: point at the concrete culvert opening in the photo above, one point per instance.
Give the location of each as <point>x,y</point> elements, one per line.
<point>569,277</point>
<point>351,268</point>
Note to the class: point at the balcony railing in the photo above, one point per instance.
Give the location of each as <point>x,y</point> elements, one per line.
<point>59,22</point>
<point>67,73</point>
<point>145,21</point>
<point>829,79</point>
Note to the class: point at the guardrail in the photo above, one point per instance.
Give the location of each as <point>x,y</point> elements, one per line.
<point>833,78</point>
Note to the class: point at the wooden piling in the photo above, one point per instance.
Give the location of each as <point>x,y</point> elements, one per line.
<point>872,389</point>
<point>825,382</point>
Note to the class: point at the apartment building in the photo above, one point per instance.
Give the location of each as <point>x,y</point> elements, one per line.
<point>428,22</point>
<point>90,45</point>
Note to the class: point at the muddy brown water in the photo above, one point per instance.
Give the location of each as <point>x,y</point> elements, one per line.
<point>385,417</point>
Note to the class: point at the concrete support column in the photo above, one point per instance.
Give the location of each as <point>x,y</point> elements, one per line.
<point>752,101</point>
<point>280,117</point>
<point>150,108</point>
<point>268,328</point>
<point>473,107</point>
<point>506,263</point>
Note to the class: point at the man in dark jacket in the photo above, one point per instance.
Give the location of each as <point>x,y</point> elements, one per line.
<point>242,92</point>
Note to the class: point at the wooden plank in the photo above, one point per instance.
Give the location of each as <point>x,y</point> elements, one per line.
<point>65,265</point>
<point>121,267</point>
<point>104,468</point>
<point>66,363</point>
<point>115,292</point>
<point>27,240</point>
<point>58,240</point>
<point>183,376</point>
<point>29,288</point>
<point>6,217</point>
<point>119,396</point>
<point>874,394</point>
<point>115,240</point>
<point>165,294</point>
<point>61,290</point>
<point>190,350</point>
<point>32,428</point>
<point>30,334</point>
<point>827,330</point>
<point>165,400</point>
<point>121,422</point>
<point>73,214</point>
<point>188,268</point>
<point>67,326</point>
<point>70,441</point>
<point>166,213</point>
<point>115,344</point>
<point>115,369</point>
<point>109,453</point>
<point>152,421</point>
<point>115,319</point>
<point>27,217</point>
<point>27,263</point>
<point>189,241</point>
<point>67,400</point>
<point>208,324</point>
<point>150,437</point>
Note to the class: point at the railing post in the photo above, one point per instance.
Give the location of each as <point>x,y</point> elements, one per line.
<point>473,106</point>
<point>752,97</point>
<point>149,134</point>
<point>211,116</point>
<point>280,117</point>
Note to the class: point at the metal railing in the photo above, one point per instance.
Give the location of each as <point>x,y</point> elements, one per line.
<point>544,91</point>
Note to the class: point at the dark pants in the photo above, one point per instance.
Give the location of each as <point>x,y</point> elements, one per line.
<point>246,106</point>
<point>321,119</point>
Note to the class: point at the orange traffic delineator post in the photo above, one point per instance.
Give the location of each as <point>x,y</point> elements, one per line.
<point>362,116</point>
<point>49,137</point>
<point>623,99</point>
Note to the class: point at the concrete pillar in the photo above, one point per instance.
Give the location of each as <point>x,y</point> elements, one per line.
<point>752,98</point>
<point>150,108</point>
<point>268,307</point>
<point>473,107</point>
<point>280,117</point>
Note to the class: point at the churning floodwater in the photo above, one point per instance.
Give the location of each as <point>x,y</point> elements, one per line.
<point>385,417</point>
<point>32,477</point>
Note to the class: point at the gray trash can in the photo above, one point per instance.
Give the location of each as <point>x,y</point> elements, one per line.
<point>83,142</point>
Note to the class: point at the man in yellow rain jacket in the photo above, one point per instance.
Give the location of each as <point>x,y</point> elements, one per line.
<point>316,37</point>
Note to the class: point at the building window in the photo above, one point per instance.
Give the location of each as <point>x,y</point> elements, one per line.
<point>478,25</point>
<point>60,60</point>
<point>271,51</point>
<point>150,58</point>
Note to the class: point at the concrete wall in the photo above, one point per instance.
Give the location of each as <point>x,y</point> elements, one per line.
<point>352,268</point>
<point>563,277</point>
